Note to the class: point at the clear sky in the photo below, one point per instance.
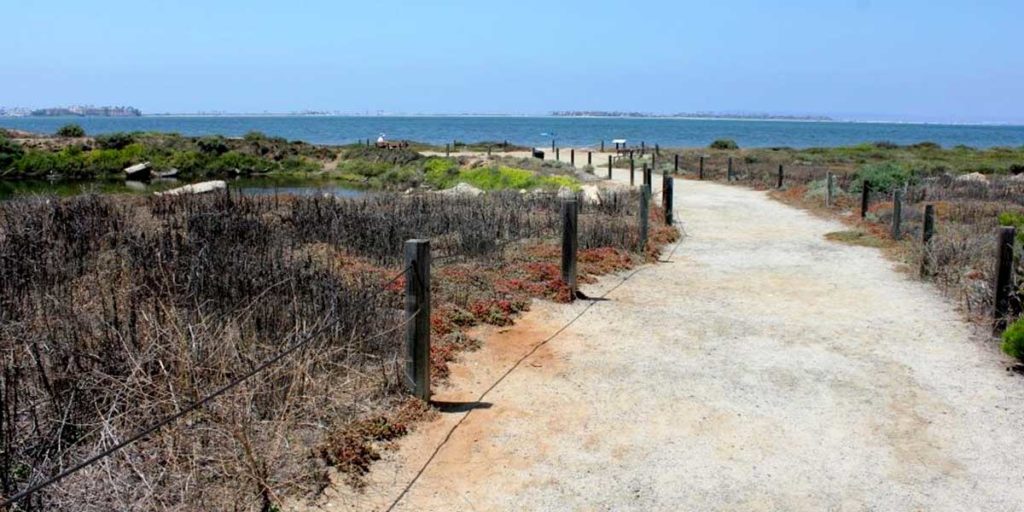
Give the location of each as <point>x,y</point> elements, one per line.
<point>923,60</point>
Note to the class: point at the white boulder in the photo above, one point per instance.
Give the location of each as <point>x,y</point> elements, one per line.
<point>463,189</point>
<point>196,188</point>
<point>974,176</point>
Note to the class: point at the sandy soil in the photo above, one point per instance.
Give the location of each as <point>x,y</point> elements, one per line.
<point>762,368</point>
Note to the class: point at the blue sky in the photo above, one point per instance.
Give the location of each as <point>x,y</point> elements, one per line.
<point>869,59</point>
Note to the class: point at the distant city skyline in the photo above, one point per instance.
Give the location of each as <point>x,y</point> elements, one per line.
<point>900,60</point>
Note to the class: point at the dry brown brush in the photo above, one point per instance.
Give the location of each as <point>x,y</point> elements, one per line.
<point>116,312</point>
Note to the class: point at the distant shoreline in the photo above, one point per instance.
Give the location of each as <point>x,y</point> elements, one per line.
<point>537,116</point>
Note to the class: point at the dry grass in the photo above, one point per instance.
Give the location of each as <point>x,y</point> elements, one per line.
<point>117,311</point>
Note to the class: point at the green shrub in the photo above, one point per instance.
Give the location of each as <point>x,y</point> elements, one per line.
<point>440,172</point>
<point>375,154</point>
<point>724,144</point>
<point>115,140</point>
<point>1014,219</point>
<point>233,161</point>
<point>10,152</point>
<point>297,164</point>
<point>215,146</point>
<point>364,168</point>
<point>883,177</point>
<point>71,130</point>
<point>1013,339</point>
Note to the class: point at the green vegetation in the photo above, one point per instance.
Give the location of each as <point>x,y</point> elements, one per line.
<point>71,130</point>
<point>442,173</point>
<point>10,152</point>
<point>118,140</point>
<point>1015,219</point>
<point>1013,339</point>
<point>923,158</point>
<point>499,178</point>
<point>108,155</point>
<point>883,177</point>
<point>724,144</point>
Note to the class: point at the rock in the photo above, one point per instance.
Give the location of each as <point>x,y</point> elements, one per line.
<point>409,191</point>
<point>138,171</point>
<point>463,189</point>
<point>974,177</point>
<point>1016,177</point>
<point>196,188</point>
<point>566,193</point>
<point>591,194</point>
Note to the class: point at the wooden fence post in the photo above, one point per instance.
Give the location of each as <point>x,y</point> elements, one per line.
<point>488,150</point>
<point>667,185</point>
<point>632,171</point>
<point>602,146</point>
<point>572,157</point>
<point>781,174</point>
<point>569,244</point>
<point>647,176</point>
<point>645,200</point>
<point>447,150</point>
<point>1004,276</point>
<point>609,167</point>
<point>700,173</point>
<point>552,144</point>
<point>590,158</point>
<point>657,150</point>
<point>417,316</point>
<point>728,176</point>
<point>865,198</point>
<point>897,214</point>
<point>558,157</point>
<point>675,167</point>
<point>828,189</point>
<point>643,147</point>
<point>928,231</point>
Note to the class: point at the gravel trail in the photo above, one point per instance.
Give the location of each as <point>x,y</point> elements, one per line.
<point>762,368</point>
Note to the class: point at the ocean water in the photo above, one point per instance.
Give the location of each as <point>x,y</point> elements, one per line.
<point>540,131</point>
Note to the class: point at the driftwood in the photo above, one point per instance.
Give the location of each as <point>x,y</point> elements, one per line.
<point>196,188</point>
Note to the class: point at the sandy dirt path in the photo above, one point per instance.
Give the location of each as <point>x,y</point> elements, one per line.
<point>762,368</point>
